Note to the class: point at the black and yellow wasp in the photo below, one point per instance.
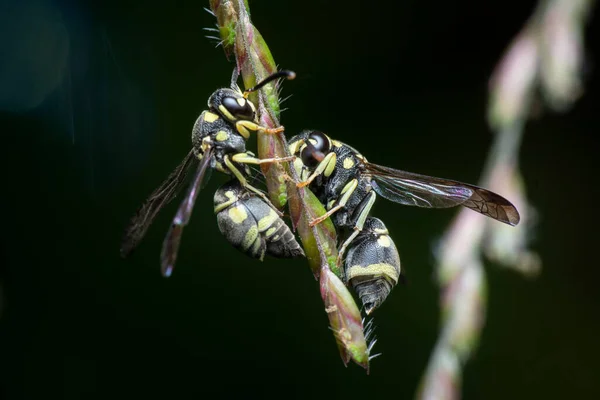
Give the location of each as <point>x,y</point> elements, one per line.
<point>347,184</point>
<point>245,215</point>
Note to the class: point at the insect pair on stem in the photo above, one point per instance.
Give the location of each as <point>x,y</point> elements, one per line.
<point>341,178</point>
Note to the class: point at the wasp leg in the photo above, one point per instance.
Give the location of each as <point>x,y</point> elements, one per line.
<point>244,128</point>
<point>325,167</point>
<point>245,158</point>
<point>347,191</point>
<point>363,209</point>
<point>244,182</point>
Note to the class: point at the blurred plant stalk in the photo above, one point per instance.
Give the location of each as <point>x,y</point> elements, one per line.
<point>255,62</point>
<point>547,56</point>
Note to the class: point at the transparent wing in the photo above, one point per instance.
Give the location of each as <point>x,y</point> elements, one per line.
<point>430,192</point>
<point>172,241</point>
<point>139,224</point>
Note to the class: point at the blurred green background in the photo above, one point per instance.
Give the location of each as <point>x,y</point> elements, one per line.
<point>405,82</point>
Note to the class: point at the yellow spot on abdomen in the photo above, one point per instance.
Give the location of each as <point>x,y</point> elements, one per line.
<point>348,163</point>
<point>250,237</point>
<point>210,117</point>
<point>384,241</point>
<point>265,222</point>
<point>270,231</point>
<point>238,214</point>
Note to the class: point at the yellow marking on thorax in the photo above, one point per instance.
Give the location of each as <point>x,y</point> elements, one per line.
<point>378,270</point>
<point>238,214</point>
<point>210,117</point>
<point>222,136</point>
<point>241,101</point>
<point>336,143</point>
<point>384,241</point>
<point>348,163</point>
<point>265,222</point>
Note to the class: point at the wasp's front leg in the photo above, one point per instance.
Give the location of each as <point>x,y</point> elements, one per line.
<point>325,167</point>
<point>244,127</point>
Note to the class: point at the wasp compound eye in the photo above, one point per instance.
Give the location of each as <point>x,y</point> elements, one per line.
<point>317,147</point>
<point>320,141</point>
<point>238,107</point>
<point>311,157</point>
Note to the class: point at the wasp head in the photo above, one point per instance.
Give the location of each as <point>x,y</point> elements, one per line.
<point>232,105</point>
<point>316,146</point>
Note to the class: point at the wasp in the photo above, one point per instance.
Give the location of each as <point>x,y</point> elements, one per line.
<point>246,216</point>
<point>348,185</point>
<point>252,225</point>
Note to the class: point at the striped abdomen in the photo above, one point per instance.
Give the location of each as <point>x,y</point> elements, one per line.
<point>251,225</point>
<point>372,264</point>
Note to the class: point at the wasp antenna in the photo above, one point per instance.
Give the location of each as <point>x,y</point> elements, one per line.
<point>276,75</point>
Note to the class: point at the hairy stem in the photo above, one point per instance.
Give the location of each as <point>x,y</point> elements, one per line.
<point>255,62</point>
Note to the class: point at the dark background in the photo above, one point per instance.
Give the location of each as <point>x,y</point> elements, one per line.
<point>405,82</point>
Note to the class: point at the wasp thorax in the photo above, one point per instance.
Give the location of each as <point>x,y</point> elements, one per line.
<point>317,147</point>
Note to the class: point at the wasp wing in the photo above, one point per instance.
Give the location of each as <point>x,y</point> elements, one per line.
<point>171,243</point>
<point>426,191</point>
<point>139,224</point>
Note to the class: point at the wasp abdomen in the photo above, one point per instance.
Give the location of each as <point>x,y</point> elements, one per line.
<point>372,264</point>
<point>251,225</point>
